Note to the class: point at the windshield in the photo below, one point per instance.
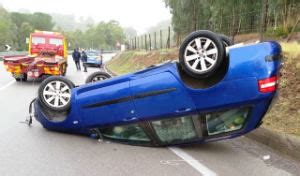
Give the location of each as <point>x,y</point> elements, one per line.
<point>93,54</point>
<point>55,41</point>
<point>38,40</point>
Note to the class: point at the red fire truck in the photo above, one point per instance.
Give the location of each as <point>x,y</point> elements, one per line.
<point>47,56</point>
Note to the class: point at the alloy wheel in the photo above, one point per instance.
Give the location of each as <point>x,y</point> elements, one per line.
<point>201,55</point>
<point>57,94</point>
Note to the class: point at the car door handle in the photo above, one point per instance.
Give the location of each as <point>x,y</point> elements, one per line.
<point>129,119</point>
<point>183,110</point>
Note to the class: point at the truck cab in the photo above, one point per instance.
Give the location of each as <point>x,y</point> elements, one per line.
<point>48,42</point>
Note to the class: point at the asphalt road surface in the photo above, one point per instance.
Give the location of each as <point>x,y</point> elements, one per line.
<point>36,151</point>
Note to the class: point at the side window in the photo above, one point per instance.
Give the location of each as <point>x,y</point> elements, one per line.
<point>175,130</point>
<point>226,121</point>
<point>130,132</point>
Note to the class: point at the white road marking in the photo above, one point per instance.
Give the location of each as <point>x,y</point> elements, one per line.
<point>7,85</point>
<point>193,162</point>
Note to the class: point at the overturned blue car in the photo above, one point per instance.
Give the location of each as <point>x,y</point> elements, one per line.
<point>216,91</point>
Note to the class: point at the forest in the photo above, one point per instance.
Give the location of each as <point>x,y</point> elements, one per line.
<point>274,18</point>
<point>271,17</point>
<point>15,27</point>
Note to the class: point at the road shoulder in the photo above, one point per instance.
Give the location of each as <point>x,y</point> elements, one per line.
<point>286,144</point>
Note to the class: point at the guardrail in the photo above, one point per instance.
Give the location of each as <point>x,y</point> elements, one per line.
<point>12,53</point>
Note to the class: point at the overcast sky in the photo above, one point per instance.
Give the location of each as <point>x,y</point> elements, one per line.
<point>139,14</point>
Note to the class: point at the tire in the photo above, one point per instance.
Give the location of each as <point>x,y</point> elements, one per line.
<point>64,69</point>
<point>201,54</point>
<point>226,40</point>
<point>22,78</point>
<point>97,76</point>
<point>55,93</point>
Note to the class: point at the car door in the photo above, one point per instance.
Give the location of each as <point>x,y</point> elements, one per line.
<point>109,104</point>
<point>160,95</point>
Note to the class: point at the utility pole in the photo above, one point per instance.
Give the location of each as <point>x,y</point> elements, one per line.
<point>169,38</point>
<point>155,40</point>
<point>150,42</point>
<point>160,37</point>
<point>145,41</point>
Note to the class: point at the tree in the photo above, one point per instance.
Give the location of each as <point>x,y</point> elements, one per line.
<point>25,23</point>
<point>233,16</point>
<point>25,31</point>
<point>42,21</point>
<point>6,29</point>
<point>130,33</point>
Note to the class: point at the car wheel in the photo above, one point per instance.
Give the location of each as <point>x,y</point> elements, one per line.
<point>97,76</point>
<point>201,54</point>
<point>226,40</point>
<point>55,93</point>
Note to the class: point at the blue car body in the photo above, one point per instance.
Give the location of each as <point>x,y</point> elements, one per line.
<point>160,93</point>
<point>93,59</point>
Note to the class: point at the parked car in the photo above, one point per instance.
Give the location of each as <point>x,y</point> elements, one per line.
<point>214,92</point>
<point>94,58</point>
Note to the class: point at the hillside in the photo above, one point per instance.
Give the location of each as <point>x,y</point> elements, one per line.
<point>283,117</point>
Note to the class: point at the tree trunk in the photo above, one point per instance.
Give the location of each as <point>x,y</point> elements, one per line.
<point>264,14</point>
<point>194,18</point>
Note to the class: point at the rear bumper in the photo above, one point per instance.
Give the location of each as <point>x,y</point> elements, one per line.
<point>93,63</point>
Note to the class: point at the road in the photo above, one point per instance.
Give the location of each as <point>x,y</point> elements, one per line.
<point>35,151</point>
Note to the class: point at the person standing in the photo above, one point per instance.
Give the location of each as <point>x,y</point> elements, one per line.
<point>84,60</point>
<point>76,57</point>
<point>101,61</point>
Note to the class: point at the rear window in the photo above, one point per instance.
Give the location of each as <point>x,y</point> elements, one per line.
<point>226,121</point>
<point>54,41</point>
<point>93,54</point>
<point>38,40</point>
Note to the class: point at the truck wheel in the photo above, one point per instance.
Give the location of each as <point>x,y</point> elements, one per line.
<point>23,77</point>
<point>55,93</point>
<point>201,54</point>
<point>226,40</point>
<point>97,76</point>
<point>63,69</point>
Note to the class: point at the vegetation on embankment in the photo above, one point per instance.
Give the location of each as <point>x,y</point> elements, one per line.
<point>130,61</point>
<point>283,117</point>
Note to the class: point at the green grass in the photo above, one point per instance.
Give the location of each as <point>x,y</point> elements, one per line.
<point>284,116</point>
<point>122,63</point>
<point>130,61</point>
<point>291,49</point>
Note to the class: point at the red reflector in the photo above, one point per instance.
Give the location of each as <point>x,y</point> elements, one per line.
<point>267,85</point>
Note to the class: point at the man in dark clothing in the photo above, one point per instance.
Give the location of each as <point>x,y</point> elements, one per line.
<point>76,57</point>
<point>84,60</point>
